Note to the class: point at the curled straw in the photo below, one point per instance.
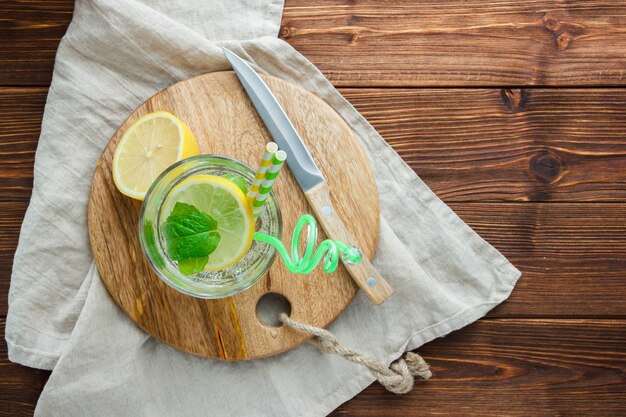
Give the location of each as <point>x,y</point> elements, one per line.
<point>329,250</point>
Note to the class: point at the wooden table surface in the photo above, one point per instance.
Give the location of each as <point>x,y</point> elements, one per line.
<point>513,112</point>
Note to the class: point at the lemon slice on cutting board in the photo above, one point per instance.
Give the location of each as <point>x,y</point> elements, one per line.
<point>149,146</point>
<point>228,205</point>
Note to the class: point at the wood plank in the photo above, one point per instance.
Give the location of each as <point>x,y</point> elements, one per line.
<point>394,43</point>
<point>11,217</point>
<point>30,32</point>
<point>21,111</point>
<point>491,368</point>
<point>508,144</point>
<point>572,256</point>
<point>514,368</point>
<point>468,43</point>
<point>20,386</point>
<point>467,144</point>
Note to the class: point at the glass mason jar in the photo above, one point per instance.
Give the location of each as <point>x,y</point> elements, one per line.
<point>206,284</point>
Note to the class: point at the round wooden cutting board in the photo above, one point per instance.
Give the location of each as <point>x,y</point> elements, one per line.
<point>224,121</point>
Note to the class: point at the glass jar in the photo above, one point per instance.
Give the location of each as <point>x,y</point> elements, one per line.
<point>206,284</point>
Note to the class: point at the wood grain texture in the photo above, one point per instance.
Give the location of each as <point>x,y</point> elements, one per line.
<point>510,368</point>
<point>572,256</point>
<point>506,144</point>
<point>20,386</point>
<point>469,43</point>
<point>21,111</point>
<point>493,368</point>
<point>229,328</point>
<point>30,32</point>
<point>394,42</point>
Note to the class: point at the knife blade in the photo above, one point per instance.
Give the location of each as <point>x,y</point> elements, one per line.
<point>306,173</point>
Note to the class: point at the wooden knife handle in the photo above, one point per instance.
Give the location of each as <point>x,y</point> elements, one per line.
<point>363,273</point>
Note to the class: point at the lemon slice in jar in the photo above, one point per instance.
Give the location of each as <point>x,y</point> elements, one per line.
<point>225,202</point>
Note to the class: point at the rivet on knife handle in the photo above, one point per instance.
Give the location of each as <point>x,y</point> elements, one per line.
<point>363,273</point>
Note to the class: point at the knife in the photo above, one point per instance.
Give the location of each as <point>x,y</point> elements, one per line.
<point>307,174</point>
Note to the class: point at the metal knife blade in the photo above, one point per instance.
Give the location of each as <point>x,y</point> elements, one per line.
<point>299,158</point>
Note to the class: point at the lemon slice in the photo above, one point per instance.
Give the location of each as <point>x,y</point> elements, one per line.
<point>150,145</point>
<point>228,205</point>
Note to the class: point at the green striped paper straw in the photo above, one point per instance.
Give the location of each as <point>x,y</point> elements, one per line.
<point>270,149</point>
<point>266,186</point>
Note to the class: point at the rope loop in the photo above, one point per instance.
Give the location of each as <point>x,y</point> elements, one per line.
<point>397,378</point>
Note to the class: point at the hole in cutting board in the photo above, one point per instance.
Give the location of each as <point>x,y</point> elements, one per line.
<point>269,307</point>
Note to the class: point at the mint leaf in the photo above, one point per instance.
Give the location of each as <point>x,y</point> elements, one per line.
<point>182,209</point>
<point>188,211</point>
<point>240,182</point>
<point>193,265</point>
<point>190,233</point>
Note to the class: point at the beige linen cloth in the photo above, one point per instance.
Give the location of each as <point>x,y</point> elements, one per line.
<point>115,55</point>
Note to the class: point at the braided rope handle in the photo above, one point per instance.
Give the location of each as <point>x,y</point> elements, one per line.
<point>397,378</point>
